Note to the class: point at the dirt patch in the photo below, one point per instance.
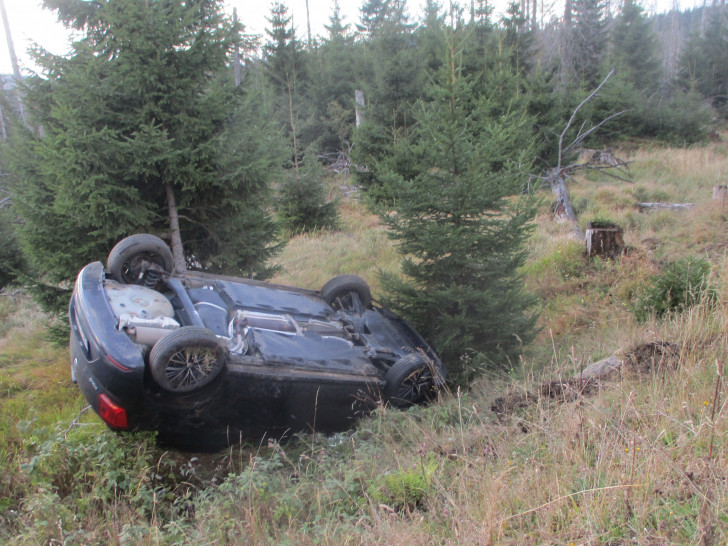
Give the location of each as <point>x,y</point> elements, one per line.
<point>560,390</point>
<point>656,356</point>
<point>659,356</point>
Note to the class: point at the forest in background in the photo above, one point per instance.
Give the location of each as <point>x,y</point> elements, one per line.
<point>219,141</point>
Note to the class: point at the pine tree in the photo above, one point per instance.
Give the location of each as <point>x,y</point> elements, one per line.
<point>393,80</point>
<point>634,48</point>
<point>142,112</point>
<point>431,36</point>
<point>704,62</point>
<point>285,68</point>
<point>518,39</point>
<point>303,203</point>
<point>460,223</point>
<point>586,39</point>
<point>374,13</point>
<point>333,88</point>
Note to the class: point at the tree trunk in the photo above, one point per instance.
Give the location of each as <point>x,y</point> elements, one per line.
<point>3,134</point>
<point>293,123</point>
<point>564,211</point>
<point>308,27</point>
<point>177,249</point>
<point>359,100</point>
<point>13,61</point>
<point>236,57</point>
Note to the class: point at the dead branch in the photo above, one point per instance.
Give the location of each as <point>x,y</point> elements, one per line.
<point>582,136</point>
<point>573,117</point>
<point>14,294</point>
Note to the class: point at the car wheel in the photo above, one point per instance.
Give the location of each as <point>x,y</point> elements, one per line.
<point>186,359</point>
<point>140,259</point>
<point>411,380</point>
<point>348,293</point>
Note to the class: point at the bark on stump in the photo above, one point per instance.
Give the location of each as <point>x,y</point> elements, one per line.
<point>720,194</point>
<point>604,241</point>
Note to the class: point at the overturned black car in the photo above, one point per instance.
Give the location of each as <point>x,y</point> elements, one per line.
<point>209,359</point>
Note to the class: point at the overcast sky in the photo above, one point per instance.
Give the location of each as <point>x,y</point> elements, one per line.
<point>29,23</point>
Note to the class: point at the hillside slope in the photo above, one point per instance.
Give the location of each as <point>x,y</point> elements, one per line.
<point>639,459</point>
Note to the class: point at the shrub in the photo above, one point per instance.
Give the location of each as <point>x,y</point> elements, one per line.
<point>681,285</point>
<point>302,201</point>
<point>405,489</point>
<point>88,469</point>
<point>679,119</point>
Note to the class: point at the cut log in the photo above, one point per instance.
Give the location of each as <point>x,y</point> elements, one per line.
<point>604,241</point>
<point>670,206</point>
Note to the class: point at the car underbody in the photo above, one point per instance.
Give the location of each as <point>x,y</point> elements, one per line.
<point>211,359</point>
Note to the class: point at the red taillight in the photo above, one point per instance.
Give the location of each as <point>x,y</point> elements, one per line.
<point>113,415</point>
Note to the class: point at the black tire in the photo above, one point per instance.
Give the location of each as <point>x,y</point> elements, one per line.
<point>132,257</point>
<point>346,292</point>
<point>186,359</point>
<point>411,380</point>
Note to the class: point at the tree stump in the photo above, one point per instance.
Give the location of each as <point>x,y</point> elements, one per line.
<point>604,240</point>
<point>720,194</point>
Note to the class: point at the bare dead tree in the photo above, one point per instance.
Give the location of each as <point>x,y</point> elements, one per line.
<point>557,176</point>
<point>236,53</point>
<point>13,61</point>
<point>308,27</point>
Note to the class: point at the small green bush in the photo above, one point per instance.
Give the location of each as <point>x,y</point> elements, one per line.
<point>302,201</point>
<point>681,285</point>
<point>404,489</point>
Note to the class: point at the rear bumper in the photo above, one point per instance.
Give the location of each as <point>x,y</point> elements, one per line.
<point>104,361</point>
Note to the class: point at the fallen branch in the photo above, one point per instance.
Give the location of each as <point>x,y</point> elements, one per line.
<point>12,294</point>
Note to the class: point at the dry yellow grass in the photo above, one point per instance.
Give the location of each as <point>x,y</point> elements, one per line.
<point>360,247</point>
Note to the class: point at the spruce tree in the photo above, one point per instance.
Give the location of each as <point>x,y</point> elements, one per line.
<point>586,40</point>
<point>393,81</point>
<point>333,88</point>
<point>460,223</point>
<point>143,111</point>
<point>704,62</point>
<point>303,203</point>
<point>634,48</point>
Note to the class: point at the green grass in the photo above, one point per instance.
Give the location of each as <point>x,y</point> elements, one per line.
<point>641,460</point>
